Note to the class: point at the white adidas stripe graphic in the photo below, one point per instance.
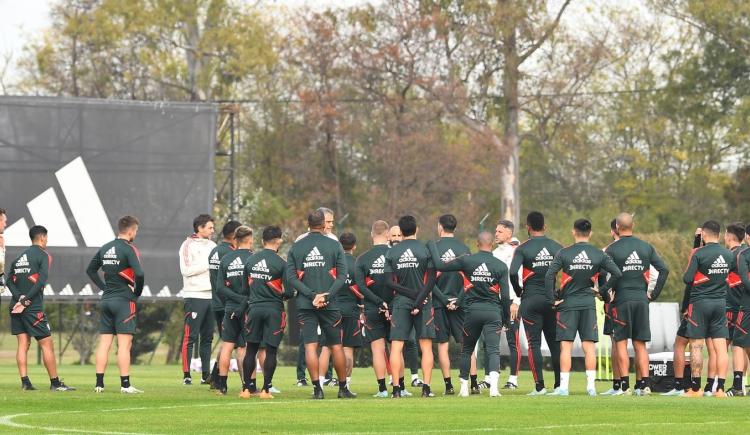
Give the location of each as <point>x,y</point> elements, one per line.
<point>407,256</point>
<point>110,253</point>
<point>719,263</point>
<point>261,266</point>
<point>379,263</point>
<point>85,205</point>
<point>449,255</point>
<point>582,258</point>
<point>543,255</point>
<point>236,263</point>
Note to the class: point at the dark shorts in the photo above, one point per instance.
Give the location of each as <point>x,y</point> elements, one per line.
<point>376,326</point>
<point>731,315</point>
<point>630,320</point>
<point>402,323</point>
<point>265,325</point>
<point>449,324</point>
<point>329,321</point>
<point>707,319</point>
<point>219,319</point>
<point>118,316</point>
<point>582,322</point>
<point>741,336</point>
<point>682,329</point>
<point>233,328</point>
<point>352,332</point>
<point>607,328</point>
<point>33,323</point>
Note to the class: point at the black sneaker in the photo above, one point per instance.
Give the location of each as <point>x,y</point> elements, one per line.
<point>302,382</point>
<point>28,387</point>
<point>735,393</point>
<point>416,382</point>
<point>61,387</point>
<point>346,394</point>
<point>475,390</point>
<point>449,391</point>
<point>426,392</point>
<point>187,381</point>
<point>484,385</point>
<point>318,394</point>
<point>396,394</point>
<point>510,386</point>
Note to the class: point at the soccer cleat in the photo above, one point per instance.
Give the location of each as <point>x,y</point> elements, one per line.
<point>463,391</point>
<point>246,394</point>
<point>331,382</point>
<point>416,382</point>
<point>510,386</point>
<point>720,394</point>
<point>475,390</point>
<point>265,395</point>
<point>318,394</point>
<point>346,394</point>
<point>618,393</point>
<point>642,392</point>
<point>381,395</point>
<point>221,391</point>
<point>559,392</point>
<point>541,392</point>
<point>609,392</point>
<point>187,381</point>
<point>28,387</point>
<point>484,385</point>
<point>61,387</point>
<point>647,391</point>
<point>591,392</point>
<point>426,391</point>
<point>274,390</point>
<point>708,394</point>
<point>302,382</point>
<point>673,392</point>
<point>735,393</point>
<point>628,392</point>
<point>98,389</point>
<point>449,391</point>
<point>132,390</point>
<point>405,393</point>
<point>691,393</point>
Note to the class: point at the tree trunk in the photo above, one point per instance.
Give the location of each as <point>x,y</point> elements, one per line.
<point>509,173</point>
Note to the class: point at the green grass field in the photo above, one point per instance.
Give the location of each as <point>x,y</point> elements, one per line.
<point>168,407</point>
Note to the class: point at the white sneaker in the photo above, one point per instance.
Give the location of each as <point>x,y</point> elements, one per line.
<point>618,393</point>
<point>99,390</point>
<point>708,394</point>
<point>464,390</point>
<point>405,393</point>
<point>130,390</point>
<point>274,390</point>
<point>673,392</point>
<point>609,392</point>
<point>591,392</point>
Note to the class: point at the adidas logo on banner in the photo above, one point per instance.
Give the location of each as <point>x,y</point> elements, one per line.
<point>448,256</point>
<point>314,255</point>
<point>379,262</point>
<point>482,270</point>
<point>236,264</point>
<point>543,255</point>
<point>261,266</point>
<point>111,254</point>
<point>719,266</point>
<point>23,261</point>
<point>85,205</point>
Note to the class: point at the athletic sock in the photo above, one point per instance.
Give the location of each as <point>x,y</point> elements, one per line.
<point>678,384</point>
<point>381,385</point>
<point>401,383</point>
<point>709,385</point>
<point>590,379</point>
<point>625,384</point>
<point>397,390</point>
<point>414,376</point>
<point>513,379</point>
<point>223,382</point>
<point>696,383</point>
<point>474,383</point>
<point>316,384</point>
<point>426,389</point>
<point>186,374</point>
<point>720,384</point>
<point>100,380</point>
<point>564,380</point>
<point>737,381</point>
<point>616,384</point>
<point>252,386</point>
<point>342,384</point>
<point>55,382</point>
<point>448,382</point>
<point>322,380</point>
<point>25,380</point>
<point>715,384</point>
<point>125,381</point>
<point>645,382</point>
<point>205,375</point>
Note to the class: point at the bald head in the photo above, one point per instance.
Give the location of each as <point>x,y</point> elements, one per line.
<point>485,240</point>
<point>379,232</point>
<point>624,224</point>
<point>394,235</point>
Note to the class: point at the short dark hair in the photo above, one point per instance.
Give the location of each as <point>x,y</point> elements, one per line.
<point>348,240</point>
<point>271,232</point>
<point>229,228</point>
<point>316,219</point>
<point>201,220</point>
<point>582,227</point>
<point>535,221</point>
<point>2,211</point>
<point>36,231</point>
<point>737,229</point>
<point>448,222</point>
<point>408,225</point>
<point>613,225</point>
<point>243,232</point>
<point>712,227</point>
<point>507,224</point>
<point>747,230</point>
<point>127,222</point>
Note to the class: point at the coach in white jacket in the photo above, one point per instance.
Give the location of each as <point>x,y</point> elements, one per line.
<point>506,247</point>
<point>196,291</point>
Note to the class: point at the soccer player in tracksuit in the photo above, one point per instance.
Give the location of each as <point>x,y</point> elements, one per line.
<point>123,283</point>
<point>504,251</point>
<point>349,301</point>
<point>448,323</point>
<point>265,272</point>
<point>741,338</point>
<point>217,302</point>
<point>533,258</point>
<point>581,264</point>
<point>708,271</point>
<point>410,271</point>
<point>196,292</point>
<point>629,299</point>
<point>27,278</point>
<point>485,297</point>
<point>231,285</point>
<point>734,238</point>
<point>316,268</point>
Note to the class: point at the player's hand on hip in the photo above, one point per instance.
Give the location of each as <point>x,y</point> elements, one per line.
<point>513,311</point>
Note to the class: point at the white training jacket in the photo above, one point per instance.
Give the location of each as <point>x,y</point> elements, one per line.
<point>505,253</point>
<point>194,267</point>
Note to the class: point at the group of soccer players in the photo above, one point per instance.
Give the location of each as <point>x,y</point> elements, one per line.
<point>401,292</point>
